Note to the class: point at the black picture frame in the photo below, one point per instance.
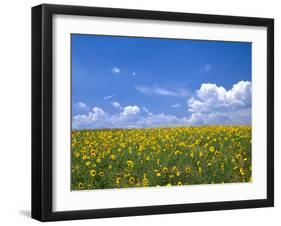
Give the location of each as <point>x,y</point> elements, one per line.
<point>42,197</point>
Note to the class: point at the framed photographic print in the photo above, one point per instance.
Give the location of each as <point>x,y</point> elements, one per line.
<point>145,112</point>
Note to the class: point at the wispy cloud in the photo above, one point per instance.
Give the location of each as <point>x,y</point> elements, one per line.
<point>115,70</point>
<point>206,68</point>
<point>146,111</point>
<point>108,97</point>
<point>161,91</point>
<point>175,105</point>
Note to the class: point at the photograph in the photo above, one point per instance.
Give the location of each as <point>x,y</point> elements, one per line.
<point>151,112</point>
<point>141,112</point>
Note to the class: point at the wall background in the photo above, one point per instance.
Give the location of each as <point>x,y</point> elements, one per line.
<point>15,119</point>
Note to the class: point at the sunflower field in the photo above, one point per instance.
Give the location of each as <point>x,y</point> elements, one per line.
<point>122,158</point>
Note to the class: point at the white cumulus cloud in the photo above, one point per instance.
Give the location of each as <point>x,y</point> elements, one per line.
<point>213,98</point>
<point>94,119</point>
<point>116,105</point>
<point>130,110</point>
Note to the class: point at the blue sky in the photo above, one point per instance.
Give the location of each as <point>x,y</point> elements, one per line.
<point>148,82</point>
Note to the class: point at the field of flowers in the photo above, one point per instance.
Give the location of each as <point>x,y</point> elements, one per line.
<point>121,158</point>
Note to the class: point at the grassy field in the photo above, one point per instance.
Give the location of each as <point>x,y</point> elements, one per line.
<point>121,158</point>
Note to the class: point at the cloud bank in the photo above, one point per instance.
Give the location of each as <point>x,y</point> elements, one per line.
<point>211,105</point>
